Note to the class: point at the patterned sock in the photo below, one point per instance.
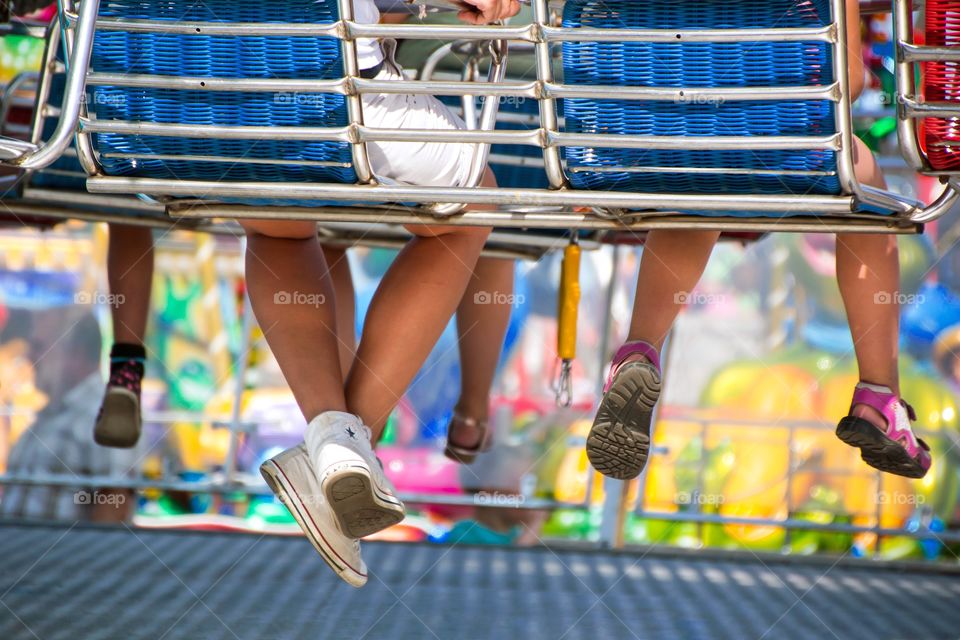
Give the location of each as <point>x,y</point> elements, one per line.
<point>126,366</point>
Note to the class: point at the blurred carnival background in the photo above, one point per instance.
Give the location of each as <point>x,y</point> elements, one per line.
<point>759,370</point>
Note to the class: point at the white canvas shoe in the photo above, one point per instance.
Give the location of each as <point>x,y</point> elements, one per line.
<point>351,477</point>
<point>291,476</point>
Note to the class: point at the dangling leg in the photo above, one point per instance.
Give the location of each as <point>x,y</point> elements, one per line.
<point>670,268</point>
<point>130,274</point>
<point>868,272</point>
<point>482,320</point>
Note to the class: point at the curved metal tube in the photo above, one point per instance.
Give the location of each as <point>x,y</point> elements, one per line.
<point>941,205</point>
<point>43,155</point>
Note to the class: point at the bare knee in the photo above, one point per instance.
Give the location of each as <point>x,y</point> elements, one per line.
<point>282,229</point>
<point>439,230</point>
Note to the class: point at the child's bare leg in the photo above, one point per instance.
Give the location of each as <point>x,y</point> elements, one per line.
<point>130,274</point>
<point>868,272</point>
<point>482,320</point>
<point>339,267</point>
<point>293,299</point>
<point>409,311</point>
<point>671,267</point>
<point>619,440</point>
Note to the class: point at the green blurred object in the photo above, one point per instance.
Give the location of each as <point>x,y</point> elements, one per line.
<point>574,524</point>
<point>269,511</point>
<point>390,431</point>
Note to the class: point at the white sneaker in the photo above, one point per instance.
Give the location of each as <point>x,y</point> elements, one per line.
<point>351,477</point>
<point>291,476</point>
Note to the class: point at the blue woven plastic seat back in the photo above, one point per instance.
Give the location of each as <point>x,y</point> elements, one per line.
<point>700,65</point>
<point>207,56</point>
<point>525,167</point>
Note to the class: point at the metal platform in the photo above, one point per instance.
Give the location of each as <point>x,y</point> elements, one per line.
<point>85,583</point>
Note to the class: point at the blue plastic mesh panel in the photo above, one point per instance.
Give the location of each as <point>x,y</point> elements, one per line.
<point>704,65</point>
<point>221,57</point>
<point>511,175</point>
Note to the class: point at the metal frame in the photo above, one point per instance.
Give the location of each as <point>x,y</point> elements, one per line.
<point>613,210</point>
<point>910,106</point>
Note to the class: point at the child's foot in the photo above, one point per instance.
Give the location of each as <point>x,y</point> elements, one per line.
<point>118,423</point>
<point>619,440</point>
<point>466,438</point>
<point>351,476</point>
<point>292,478</point>
<point>879,425</point>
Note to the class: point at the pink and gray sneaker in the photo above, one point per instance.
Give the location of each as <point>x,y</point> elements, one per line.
<point>619,440</point>
<point>894,449</point>
<point>119,422</point>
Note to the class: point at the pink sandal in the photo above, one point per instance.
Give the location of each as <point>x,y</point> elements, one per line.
<point>895,449</point>
<point>619,440</point>
<point>466,455</point>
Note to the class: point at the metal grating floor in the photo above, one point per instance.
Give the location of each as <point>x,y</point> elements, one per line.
<point>86,583</point>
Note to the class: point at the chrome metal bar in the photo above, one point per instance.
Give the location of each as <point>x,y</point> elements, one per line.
<point>228,159</point>
<point>906,87</point>
<point>942,205</point>
<point>193,27</point>
<point>91,200</point>
<point>28,208</point>
<point>533,138</point>
<point>837,223</point>
<point>692,95</point>
<point>73,94</point>
<point>342,134</point>
<point>915,109</point>
<point>487,196</point>
<point>12,149</point>
<point>341,86</point>
<point>844,118</point>
<point>919,53</point>
<point>86,154</point>
<point>531,33</point>
<point>549,122</point>
<point>351,86</point>
<point>733,143</point>
<point>351,70</point>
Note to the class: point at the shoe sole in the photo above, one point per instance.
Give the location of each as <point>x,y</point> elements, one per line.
<point>277,481</point>
<point>877,449</point>
<point>119,423</point>
<point>619,441</point>
<point>361,508</point>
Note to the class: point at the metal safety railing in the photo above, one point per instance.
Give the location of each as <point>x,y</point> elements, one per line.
<point>560,206</point>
